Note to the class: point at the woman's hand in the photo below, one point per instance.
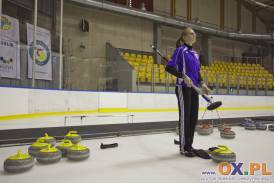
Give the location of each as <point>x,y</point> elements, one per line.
<point>205,90</point>
<point>187,81</point>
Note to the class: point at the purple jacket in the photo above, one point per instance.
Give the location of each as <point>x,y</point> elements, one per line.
<point>185,61</point>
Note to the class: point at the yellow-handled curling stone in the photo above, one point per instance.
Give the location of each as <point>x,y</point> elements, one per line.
<point>78,152</point>
<point>49,155</point>
<point>48,139</point>
<point>36,147</point>
<point>18,163</point>
<point>73,137</point>
<point>64,146</point>
<point>223,154</point>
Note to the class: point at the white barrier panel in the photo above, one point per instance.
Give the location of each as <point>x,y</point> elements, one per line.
<point>112,100</point>
<point>151,101</point>
<point>141,101</point>
<point>80,100</point>
<point>121,107</point>
<point>48,101</point>
<point>13,101</point>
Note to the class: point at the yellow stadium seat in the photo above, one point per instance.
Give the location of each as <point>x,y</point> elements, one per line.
<point>142,80</point>
<point>144,56</point>
<point>133,59</point>
<point>150,61</point>
<point>162,80</point>
<point>126,54</point>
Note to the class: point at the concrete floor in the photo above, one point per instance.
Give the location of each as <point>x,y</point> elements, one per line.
<point>149,158</point>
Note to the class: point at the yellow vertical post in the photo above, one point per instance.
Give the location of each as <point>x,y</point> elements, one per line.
<point>239,15</point>
<point>253,22</point>
<point>189,9</point>
<point>173,8</point>
<point>221,14</point>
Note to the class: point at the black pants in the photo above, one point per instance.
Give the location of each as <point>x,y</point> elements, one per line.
<point>188,103</point>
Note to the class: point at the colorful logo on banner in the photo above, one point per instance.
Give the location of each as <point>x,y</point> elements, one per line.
<point>237,172</point>
<point>226,168</point>
<point>42,53</point>
<point>5,24</point>
<point>6,60</point>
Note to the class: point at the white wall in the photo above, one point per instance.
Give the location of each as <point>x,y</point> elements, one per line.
<point>139,107</point>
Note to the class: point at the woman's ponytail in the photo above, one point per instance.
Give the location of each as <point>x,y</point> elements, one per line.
<point>179,42</point>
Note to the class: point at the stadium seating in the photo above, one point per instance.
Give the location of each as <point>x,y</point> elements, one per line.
<point>229,74</point>
<point>223,73</point>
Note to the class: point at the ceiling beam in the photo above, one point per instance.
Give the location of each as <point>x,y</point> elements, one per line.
<point>256,3</point>
<point>252,9</point>
<point>269,3</point>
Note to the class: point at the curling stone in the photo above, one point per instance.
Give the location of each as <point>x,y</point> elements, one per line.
<point>49,155</point>
<point>199,125</point>
<point>18,163</point>
<point>222,126</point>
<point>78,152</point>
<point>64,146</point>
<point>271,127</point>
<point>250,126</point>
<point>48,139</point>
<point>205,129</point>
<point>223,154</point>
<point>203,124</point>
<point>246,120</point>
<point>73,137</point>
<point>227,133</point>
<point>36,147</point>
<point>260,126</point>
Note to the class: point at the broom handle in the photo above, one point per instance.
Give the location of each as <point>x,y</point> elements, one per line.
<point>199,92</point>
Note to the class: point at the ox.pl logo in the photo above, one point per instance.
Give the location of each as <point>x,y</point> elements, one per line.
<point>253,168</point>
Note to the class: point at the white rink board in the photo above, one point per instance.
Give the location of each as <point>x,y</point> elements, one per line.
<point>26,101</point>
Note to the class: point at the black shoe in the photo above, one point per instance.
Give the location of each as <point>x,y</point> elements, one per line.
<point>201,153</point>
<point>188,154</point>
<point>177,142</point>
